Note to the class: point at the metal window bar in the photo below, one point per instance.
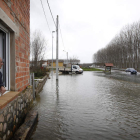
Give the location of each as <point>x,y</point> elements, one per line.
<point>3,55</point>
<point>4,59</point>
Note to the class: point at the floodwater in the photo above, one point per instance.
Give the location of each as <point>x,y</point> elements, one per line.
<point>89,106</point>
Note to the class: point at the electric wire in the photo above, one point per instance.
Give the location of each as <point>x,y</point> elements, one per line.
<point>51,12</point>
<point>55,23</point>
<point>61,37</point>
<point>45,16</point>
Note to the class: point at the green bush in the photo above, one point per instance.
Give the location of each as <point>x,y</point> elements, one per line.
<point>40,72</point>
<point>47,70</point>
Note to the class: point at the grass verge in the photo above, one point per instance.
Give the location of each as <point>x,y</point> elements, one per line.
<point>40,77</point>
<point>91,69</point>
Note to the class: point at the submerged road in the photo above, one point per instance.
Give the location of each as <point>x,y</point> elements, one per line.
<point>89,106</point>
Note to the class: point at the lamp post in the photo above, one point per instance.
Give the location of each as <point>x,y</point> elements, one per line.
<point>52,51</point>
<point>67,56</point>
<point>138,58</point>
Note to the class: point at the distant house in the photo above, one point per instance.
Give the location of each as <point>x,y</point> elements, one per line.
<point>38,63</point>
<point>60,62</point>
<point>48,62</point>
<point>86,65</point>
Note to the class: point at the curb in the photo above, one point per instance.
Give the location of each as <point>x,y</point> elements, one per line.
<point>25,130</point>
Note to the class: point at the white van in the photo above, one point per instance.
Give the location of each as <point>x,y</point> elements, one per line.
<point>76,69</point>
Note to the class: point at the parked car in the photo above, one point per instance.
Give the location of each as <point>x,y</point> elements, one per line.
<point>132,70</point>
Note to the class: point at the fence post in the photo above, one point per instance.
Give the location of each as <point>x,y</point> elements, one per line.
<point>30,78</point>
<point>33,85</point>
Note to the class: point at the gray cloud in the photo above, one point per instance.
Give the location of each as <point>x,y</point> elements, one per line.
<point>86,25</point>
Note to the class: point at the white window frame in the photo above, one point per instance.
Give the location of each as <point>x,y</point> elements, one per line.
<point>7,62</point>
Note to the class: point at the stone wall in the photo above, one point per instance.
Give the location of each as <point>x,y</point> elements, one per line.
<point>40,85</point>
<point>12,116</point>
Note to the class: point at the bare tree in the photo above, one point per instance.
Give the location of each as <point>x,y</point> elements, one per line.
<point>74,60</point>
<point>123,50</point>
<point>38,47</point>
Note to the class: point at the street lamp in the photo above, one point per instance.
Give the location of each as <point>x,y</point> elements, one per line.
<point>52,50</point>
<point>67,56</point>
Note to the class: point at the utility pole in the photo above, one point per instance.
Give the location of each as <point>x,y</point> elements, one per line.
<point>57,48</point>
<point>67,57</point>
<point>52,51</point>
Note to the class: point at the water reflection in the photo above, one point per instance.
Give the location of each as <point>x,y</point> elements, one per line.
<point>57,87</point>
<point>89,106</point>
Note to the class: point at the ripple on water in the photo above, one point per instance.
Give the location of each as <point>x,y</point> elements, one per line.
<point>89,106</point>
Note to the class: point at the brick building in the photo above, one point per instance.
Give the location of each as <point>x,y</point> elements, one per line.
<point>15,43</point>
<point>15,52</point>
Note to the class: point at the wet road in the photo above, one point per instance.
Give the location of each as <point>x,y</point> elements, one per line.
<point>89,106</point>
<point>125,76</point>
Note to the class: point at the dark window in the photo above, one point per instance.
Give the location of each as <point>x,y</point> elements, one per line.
<point>74,67</point>
<point>3,54</point>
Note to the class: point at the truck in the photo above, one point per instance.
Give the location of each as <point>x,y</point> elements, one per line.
<point>71,69</point>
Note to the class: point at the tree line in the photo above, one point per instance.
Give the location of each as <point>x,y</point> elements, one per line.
<point>123,50</point>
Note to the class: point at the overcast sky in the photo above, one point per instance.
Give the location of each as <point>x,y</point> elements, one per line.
<point>86,25</point>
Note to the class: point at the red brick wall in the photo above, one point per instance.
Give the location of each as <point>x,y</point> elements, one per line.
<point>19,12</point>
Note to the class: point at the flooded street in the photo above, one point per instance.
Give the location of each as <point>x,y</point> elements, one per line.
<point>89,106</point>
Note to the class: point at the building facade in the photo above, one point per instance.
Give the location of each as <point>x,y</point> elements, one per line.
<point>15,43</point>
<point>62,62</point>
<point>15,52</point>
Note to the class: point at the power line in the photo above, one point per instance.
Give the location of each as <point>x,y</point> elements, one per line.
<point>45,16</point>
<point>61,37</point>
<point>51,12</point>
<point>55,23</point>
